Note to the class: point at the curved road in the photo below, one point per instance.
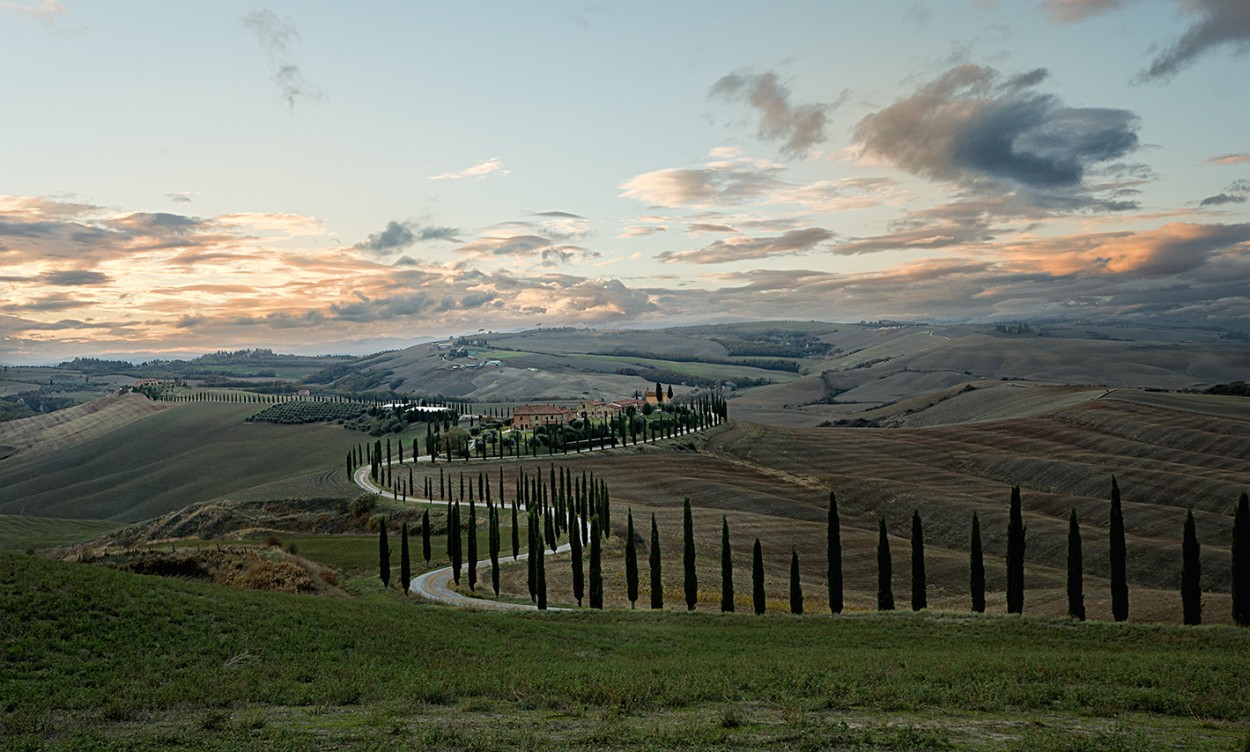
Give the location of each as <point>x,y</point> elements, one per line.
<point>436,585</point>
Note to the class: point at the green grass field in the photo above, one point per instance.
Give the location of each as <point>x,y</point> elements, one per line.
<point>20,533</point>
<point>217,668</point>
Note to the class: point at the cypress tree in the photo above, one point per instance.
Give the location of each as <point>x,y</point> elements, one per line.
<point>596,565</point>
<point>516,533</point>
<point>384,555</point>
<point>579,575</point>
<point>834,549</point>
<point>726,568</point>
<point>796,589</point>
<point>453,542</point>
<point>757,578</point>
<point>1241,562</point>
<point>493,513</point>
<point>653,558</point>
<point>472,531</point>
<point>691,582</point>
<point>425,535</point>
<point>976,565</point>
<point>1119,558</point>
<point>1076,567</point>
<point>405,563</point>
<point>532,542</point>
<point>540,575</point>
<point>919,594</point>
<point>1191,573</point>
<point>631,561</point>
<point>885,570</point>
<point>1015,556</point>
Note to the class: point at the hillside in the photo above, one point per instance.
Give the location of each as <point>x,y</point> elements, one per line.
<point>218,668</point>
<point>74,425</point>
<point>172,456</point>
<point>800,373</point>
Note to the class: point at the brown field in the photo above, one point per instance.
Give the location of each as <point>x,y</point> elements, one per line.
<point>75,425</point>
<point>772,482</point>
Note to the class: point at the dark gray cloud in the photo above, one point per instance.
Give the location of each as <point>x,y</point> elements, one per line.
<point>398,236</point>
<point>1236,193</point>
<point>277,37</point>
<point>1219,23</point>
<point>73,278</point>
<point>1222,198</point>
<point>971,126</point>
<point>791,243</point>
<point>798,127</point>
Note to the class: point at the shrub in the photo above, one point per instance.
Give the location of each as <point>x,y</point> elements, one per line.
<point>363,504</point>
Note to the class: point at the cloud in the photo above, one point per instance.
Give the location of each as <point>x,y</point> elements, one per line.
<point>1070,11</point>
<point>479,170</point>
<point>179,197</point>
<point>971,126</point>
<point>561,225</point>
<point>73,278</point>
<point>638,231</point>
<point>395,237</point>
<point>1229,159</point>
<point>1235,193</point>
<point>398,236</point>
<point>44,10</point>
<point>525,247</point>
<point>276,37</point>
<point>744,248</point>
<point>797,126</point>
<point>716,184</point>
<point>1219,23</point>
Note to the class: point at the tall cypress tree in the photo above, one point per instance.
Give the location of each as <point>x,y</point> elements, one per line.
<point>384,555</point>
<point>885,570</point>
<point>653,558</point>
<point>539,553</point>
<point>796,588</point>
<point>516,533</point>
<point>493,514</point>
<point>757,578</point>
<point>726,568</point>
<point>1119,558</point>
<point>405,563</point>
<point>454,543</point>
<point>1191,573</point>
<point>976,567</point>
<point>690,585</point>
<point>1015,556</point>
<point>531,542</point>
<point>1241,562</point>
<point>631,561</point>
<point>919,591</point>
<point>472,531</point>
<point>579,575</point>
<point>596,565</point>
<point>834,549</point>
<point>425,535</point>
<point>1076,570</point>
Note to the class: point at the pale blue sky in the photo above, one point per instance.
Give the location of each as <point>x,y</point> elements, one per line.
<point>189,176</point>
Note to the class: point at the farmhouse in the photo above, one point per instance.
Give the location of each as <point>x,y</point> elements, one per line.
<point>598,410</point>
<point>526,417</point>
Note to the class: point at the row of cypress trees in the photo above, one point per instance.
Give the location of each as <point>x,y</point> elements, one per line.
<point>545,522</point>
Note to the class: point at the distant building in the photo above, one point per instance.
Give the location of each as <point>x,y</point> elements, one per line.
<point>526,417</point>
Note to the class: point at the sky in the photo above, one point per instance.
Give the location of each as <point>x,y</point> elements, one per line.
<point>318,177</point>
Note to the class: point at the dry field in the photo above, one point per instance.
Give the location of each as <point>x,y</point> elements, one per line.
<point>75,425</point>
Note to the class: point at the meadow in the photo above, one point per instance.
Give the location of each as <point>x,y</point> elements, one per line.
<point>224,669</point>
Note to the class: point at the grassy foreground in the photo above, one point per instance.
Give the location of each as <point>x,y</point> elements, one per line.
<point>97,659</point>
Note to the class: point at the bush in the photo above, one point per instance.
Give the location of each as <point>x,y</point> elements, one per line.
<point>363,504</point>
